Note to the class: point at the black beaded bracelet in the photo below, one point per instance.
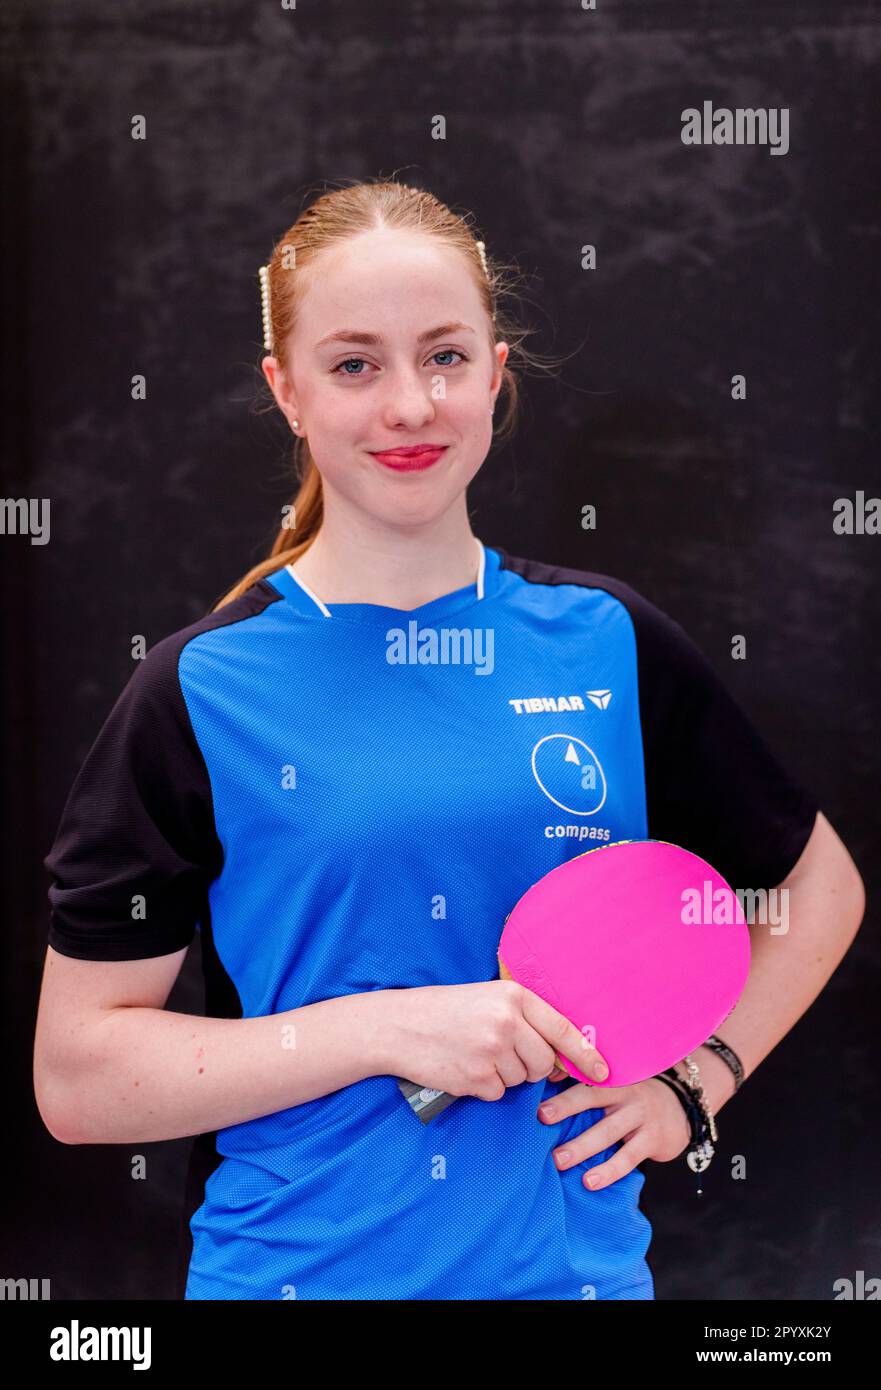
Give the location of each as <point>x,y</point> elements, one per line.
<point>701,1123</point>
<point>689,1105</point>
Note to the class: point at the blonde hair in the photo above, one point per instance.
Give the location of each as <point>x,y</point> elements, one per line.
<point>331,219</point>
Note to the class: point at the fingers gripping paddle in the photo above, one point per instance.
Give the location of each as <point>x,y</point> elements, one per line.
<point>642,945</point>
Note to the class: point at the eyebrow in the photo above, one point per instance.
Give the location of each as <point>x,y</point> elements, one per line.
<point>352,335</point>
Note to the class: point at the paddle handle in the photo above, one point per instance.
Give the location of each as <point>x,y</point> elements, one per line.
<point>427,1103</point>
<point>423,1101</point>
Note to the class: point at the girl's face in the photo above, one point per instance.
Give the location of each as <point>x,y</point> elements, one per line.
<point>390,351</point>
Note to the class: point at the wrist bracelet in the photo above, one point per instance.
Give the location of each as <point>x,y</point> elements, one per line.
<point>692,1112</point>
<point>701,1150</point>
<point>729,1057</point>
<point>700,1118</point>
<point>696,1086</point>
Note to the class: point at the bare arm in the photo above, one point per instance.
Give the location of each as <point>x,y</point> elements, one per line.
<point>825,905</point>
<point>132,1073</point>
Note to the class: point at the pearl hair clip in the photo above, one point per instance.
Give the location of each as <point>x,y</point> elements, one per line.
<point>263,272</point>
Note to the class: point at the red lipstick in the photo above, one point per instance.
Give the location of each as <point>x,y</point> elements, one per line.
<point>410,458</point>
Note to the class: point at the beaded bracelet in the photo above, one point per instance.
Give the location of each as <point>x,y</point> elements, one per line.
<point>700,1118</point>
<point>695,1087</point>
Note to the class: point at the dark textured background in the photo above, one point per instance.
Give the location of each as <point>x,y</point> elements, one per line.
<point>563,128</point>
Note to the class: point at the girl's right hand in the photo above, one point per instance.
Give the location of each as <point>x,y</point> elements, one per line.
<point>478,1039</point>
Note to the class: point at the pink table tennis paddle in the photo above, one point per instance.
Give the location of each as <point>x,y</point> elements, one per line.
<point>642,945</point>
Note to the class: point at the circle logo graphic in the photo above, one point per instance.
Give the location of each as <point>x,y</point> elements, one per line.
<point>569,773</point>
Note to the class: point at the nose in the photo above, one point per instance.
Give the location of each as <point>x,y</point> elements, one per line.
<point>408,402</point>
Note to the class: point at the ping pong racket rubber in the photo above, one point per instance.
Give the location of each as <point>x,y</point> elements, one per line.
<point>641,944</point>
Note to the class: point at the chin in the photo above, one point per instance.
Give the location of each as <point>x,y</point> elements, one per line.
<point>423,513</point>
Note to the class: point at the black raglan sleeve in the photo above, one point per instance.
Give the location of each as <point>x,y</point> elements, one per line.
<point>713,785</point>
<point>137,847</point>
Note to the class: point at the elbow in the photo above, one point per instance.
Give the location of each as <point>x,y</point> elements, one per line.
<point>56,1126</point>
<point>60,1133</point>
<point>850,887</point>
<point>849,898</point>
<point>850,895</point>
<point>827,867</point>
<point>859,899</point>
<point>54,1110</point>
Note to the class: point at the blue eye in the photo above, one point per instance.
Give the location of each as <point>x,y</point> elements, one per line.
<point>354,361</point>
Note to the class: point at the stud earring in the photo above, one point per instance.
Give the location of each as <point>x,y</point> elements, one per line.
<point>295,424</point>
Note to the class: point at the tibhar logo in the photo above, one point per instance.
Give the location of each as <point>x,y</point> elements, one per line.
<point>77,1343</point>
<point>540,703</point>
<point>553,704</point>
<point>742,126</point>
<point>446,646</point>
<point>600,698</point>
<point>23,516</point>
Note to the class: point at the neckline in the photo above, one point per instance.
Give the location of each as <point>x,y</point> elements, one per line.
<point>308,603</point>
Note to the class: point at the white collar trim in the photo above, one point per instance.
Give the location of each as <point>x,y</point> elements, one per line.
<point>306,590</point>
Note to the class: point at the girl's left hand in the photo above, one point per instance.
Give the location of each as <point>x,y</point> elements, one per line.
<point>647,1116</point>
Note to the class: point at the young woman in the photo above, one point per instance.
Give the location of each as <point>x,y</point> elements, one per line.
<point>345,776</point>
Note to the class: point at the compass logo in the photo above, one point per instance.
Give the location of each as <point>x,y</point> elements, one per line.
<point>569,773</point>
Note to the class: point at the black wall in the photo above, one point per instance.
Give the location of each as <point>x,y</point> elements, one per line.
<point>563,128</point>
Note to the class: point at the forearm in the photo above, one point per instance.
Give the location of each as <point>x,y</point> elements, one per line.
<point>787,972</point>
<point>149,1074</point>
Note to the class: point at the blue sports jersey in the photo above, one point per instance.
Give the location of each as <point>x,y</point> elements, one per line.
<point>350,797</point>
